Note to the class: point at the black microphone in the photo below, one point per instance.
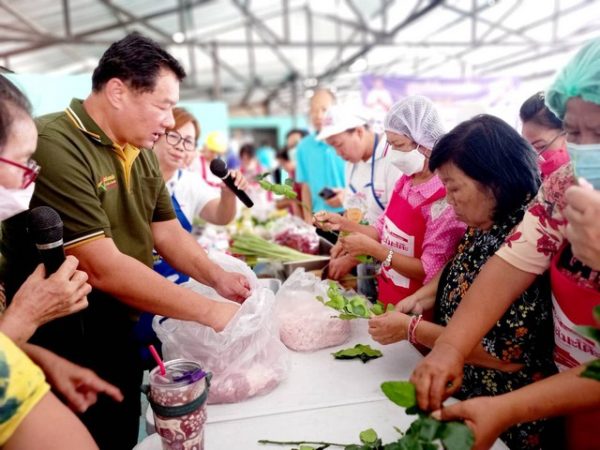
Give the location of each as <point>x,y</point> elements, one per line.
<point>219,168</point>
<point>46,229</point>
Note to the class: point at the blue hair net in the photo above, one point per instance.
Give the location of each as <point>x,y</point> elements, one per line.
<point>579,78</point>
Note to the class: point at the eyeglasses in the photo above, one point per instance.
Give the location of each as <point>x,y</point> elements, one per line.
<point>174,138</point>
<point>30,171</point>
<point>545,147</point>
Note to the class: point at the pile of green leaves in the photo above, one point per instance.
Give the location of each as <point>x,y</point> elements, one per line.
<point>286,189</point>
<point>423,434</point>
<point>592,369</point>
<point>352,306</point>
<point>361,351</point>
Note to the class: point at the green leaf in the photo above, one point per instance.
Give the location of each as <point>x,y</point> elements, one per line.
<point>363,352</point>
<point>365,259</point>
<point>368,436</point>
<point>289,182</point>
<point>377,308</point>
<point>591,332</point>
<point>592,370</point>
<point>596,313</point>
<point>428,428</point>
<point>262,176</point>
<point>455,436</point>
<point>306,447</point>
<point>402,393</point>
<point>389,307</point>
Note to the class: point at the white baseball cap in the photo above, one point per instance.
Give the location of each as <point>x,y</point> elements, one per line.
<point>340,118</point>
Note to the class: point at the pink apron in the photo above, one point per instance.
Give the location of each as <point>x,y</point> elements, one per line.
<point>403,232</point>
<point>572,304</point>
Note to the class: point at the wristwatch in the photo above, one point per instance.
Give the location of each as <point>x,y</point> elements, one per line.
<point>387,262</point>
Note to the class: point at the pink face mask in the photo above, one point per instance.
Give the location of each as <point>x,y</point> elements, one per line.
<point>551,160</point>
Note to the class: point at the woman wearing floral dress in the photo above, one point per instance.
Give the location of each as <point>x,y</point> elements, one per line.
<point>490,175</point>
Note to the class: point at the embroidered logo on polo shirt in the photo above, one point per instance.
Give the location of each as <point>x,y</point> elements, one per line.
<point>107,182</point>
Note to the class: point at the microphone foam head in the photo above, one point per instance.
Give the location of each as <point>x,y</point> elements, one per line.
<point>45,225</point>
<point>218,168</point>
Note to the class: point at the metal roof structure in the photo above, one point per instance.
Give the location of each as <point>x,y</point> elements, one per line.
<point>261,56</point>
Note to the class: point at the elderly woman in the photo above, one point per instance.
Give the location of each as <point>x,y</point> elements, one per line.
<point>418,231</point>
<point>543,130</point>
<point>490,174</point>
<point>539,243</point>
<point>190,195</point>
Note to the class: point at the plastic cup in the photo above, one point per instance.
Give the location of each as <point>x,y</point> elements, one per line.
<point>178,400</point>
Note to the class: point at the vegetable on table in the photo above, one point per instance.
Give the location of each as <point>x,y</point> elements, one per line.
<point>249,245</point>
<point>425,433</point>
<point>361,351</point>
<point>353,306</point>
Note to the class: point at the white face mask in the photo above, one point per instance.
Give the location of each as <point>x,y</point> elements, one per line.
<point>14,201</point>
<point>408,162</point>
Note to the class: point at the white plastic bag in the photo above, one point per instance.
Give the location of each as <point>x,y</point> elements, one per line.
<point>246,358</point>
<point>305,324</point>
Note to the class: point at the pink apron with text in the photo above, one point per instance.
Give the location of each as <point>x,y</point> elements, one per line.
<point>403,232</point>
<point>572,305</point>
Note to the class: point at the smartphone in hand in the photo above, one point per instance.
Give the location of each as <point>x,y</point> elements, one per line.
<point>327,193</point>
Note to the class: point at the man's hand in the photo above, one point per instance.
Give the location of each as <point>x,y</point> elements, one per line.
<point>341,266</point>
<point>482,415</point>
<point>221,314</point>
<point>583,228</point>
<point>40,300</point>
<point>79,386</point>
<point>357,244</point>
<point>336,201</point>
<point>232,286</point>
<point>438,376</point>
<point>389,328</point>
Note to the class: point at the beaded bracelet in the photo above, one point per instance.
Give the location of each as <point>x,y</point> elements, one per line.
<point>412,328</point>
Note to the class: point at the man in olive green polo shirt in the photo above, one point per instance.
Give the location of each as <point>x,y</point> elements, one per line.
<point>107,187</point>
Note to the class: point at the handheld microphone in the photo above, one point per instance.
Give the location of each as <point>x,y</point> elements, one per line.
<point>46,229</point>
<point>219,168</point>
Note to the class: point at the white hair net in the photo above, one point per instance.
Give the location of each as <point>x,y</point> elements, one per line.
<point>417,118</point>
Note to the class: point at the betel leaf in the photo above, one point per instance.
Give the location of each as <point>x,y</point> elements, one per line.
<point>428,428</point>
<point>456,436</point>
<point>289,182</point>
<point>368,436</point>
<point>402,393</point>
<point>596,313</point>
<point>592,370</point>
<point>591,332</point>
<point>363,352</point>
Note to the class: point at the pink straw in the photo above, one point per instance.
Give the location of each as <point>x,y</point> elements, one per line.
<point>159,361</point>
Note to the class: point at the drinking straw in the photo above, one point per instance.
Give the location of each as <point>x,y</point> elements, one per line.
<point>159,361</point>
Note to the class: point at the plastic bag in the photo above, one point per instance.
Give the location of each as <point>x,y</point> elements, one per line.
<point>293,232</point>
<point>305,324</point>
<point>246,358</point>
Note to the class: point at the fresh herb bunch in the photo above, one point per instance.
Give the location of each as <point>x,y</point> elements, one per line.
<point>423,434</point>
<point>286,189</point>
<point>352,307</point>
<point>592,369</point>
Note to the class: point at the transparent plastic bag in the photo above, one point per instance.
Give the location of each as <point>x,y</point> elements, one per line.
<point>293,232</point>
<point>305,324</point>
<point>246,358</point>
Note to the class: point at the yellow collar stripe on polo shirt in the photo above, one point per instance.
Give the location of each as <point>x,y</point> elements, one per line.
<point>79,124</point>
<point>127,155</point>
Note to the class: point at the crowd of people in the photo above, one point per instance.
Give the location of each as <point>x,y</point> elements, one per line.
<point>485,240</point>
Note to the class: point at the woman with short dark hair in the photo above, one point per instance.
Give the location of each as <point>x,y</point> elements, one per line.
<point>544,131</point>
<point>490,174</point>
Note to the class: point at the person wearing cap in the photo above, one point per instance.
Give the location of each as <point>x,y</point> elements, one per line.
<point>370,179</point>
<point>538,244</point>
<point>418,232</point>
<point>215,146</point>
<point>317,164</point>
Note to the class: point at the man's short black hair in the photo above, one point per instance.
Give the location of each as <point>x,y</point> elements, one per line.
<point>302,132</point>
<point>491,152</point>
<point>534,110</point>
<point>136,60</point>
<point>248,151</point>
<point>12,102</point>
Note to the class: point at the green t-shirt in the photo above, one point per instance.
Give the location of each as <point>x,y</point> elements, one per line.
<point>98,189</point>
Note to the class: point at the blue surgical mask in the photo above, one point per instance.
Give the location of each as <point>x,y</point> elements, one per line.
<point>586,162</point>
